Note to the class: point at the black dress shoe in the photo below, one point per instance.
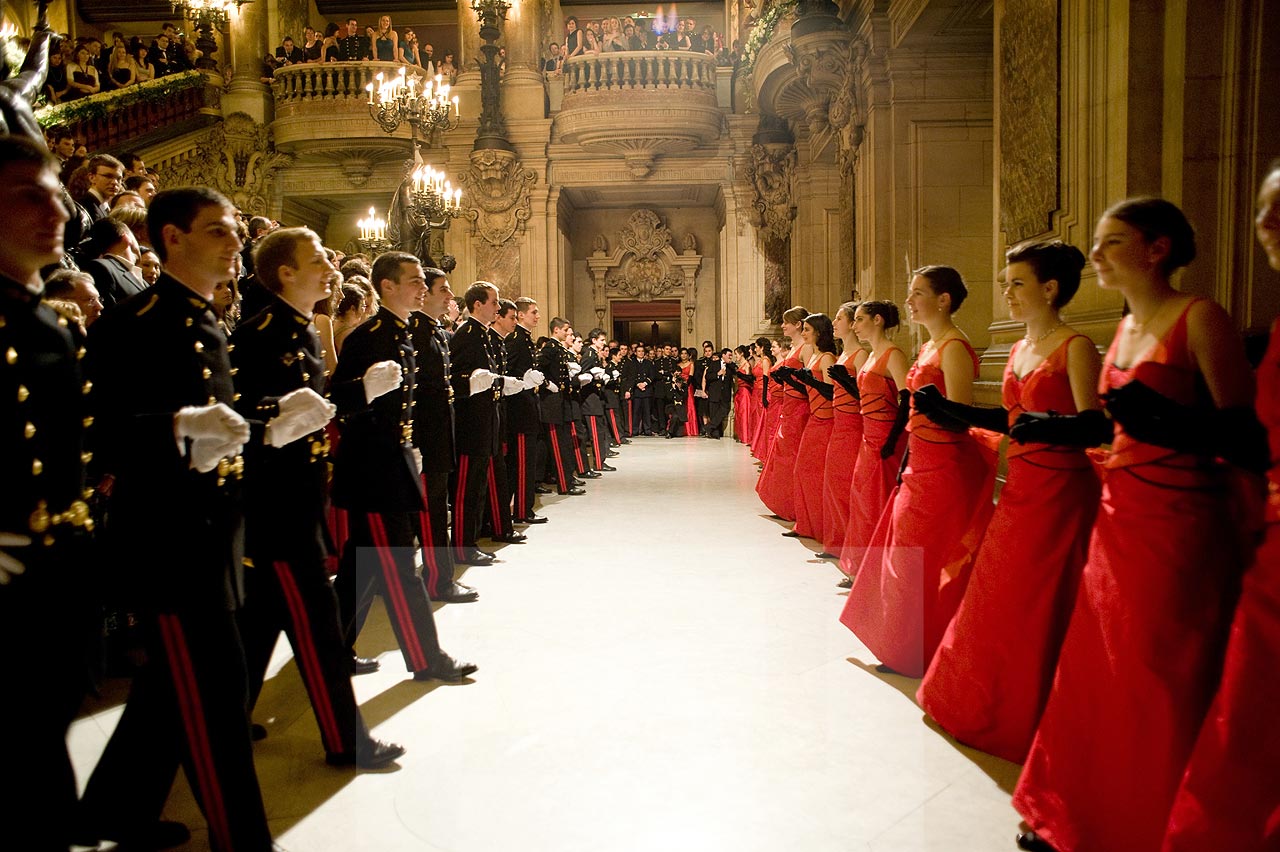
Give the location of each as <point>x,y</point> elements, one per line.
<point>364,665</point>
<point>846,583</point>
<point>446,668</point>
<point>575,491</point>
<point>577,482</point>
<point>1033,842</point>
<point>510,538</point>
<point>368,755</point>
<point>607,467</point>
<point>476,556</point>
<point>542,489</point>
<point>591,474</point>
<point>791,534</point>
<point>456,593</point>
<point>611,455</point>
<point>883,669</point>
<point>626,440</point>
<point>532,519</point>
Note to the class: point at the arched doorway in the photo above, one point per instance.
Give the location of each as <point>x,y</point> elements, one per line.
<point>656,322</point>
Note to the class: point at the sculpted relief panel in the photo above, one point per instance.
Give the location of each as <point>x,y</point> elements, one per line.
<point>1029,129</point>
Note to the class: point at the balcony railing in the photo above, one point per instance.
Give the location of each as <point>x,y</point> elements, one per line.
<point>629,70</point>
<point>298,85</point>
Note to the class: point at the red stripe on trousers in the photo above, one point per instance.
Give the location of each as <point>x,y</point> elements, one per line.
<point>577,447</point>
<point>494,512</point>
<point>192,711</point>
<point>395,592</point>
<point>330,731</point>
<point>522,498</point>
<point>429,562</point>
<point>613,424</point>
<point>459,505</point>
<point>631,418</point>
<point>595,442</point>
<point>555,453</point>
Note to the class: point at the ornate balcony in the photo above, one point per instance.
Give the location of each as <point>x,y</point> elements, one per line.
<point>323,107</point>
<point>639,104</point>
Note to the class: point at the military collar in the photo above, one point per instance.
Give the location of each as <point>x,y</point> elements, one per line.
<point>387,314</point>
<point>18,291</point>
<point>420,316</point>
<point>476,323</point>
<point>167,285</point>
<point>278,303</point>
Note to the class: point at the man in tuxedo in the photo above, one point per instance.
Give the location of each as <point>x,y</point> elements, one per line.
<point>643,393</point>
<point>698,379</point>
<point>105,176</point>
<point>113,273</point>
<point>719,385</point>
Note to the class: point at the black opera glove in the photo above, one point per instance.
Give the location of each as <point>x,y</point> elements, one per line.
<point>824,390</point>
<point>840,374</point>
<point>1087,429</point>
<point>899,425</point>
<point>748,378</point>
<point>930,402</point>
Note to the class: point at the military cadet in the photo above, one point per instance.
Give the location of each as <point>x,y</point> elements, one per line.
<point>553,362</point>
<point>627,383</point>
<point>664,365</point>
<point>477,386</point>
<point>593,392</point>
<point>166,432</point>
<point>577,418</point>
<point>645,378</point>
<point>375,472</point>
<point>498,524</point>
<point>280,377</point>
<point>614,396</point>
<point>44,518</point>
<point>523,422</point>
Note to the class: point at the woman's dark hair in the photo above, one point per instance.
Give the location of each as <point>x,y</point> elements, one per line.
<point>824,339</point>
<point>330,30</point>
<point>350,297</point>
<point>573,18</point>
<point>744,351</point>
<point>944,279</point>
<point>763,343</point>
<point>848,309</point>
<point>795,314</point>
<point>1051,260</point>
<point>1155,218</point>
<point>693,353</point>
<point>882,308</point>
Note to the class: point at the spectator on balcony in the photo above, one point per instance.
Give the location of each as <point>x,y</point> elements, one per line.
<point>386,41</point>
<point>613,40</point>
<point>161,57</point>
<point>312,45</point>
<point>55,81</point>
<point>149,264</point>
<point>269,66</point>
<point>120,69</point>
<point>190,56</point>
<point>96,56</point>
<point>410,53</point>
<point>134,164</point>
<point>447,69</point>
<point>289,53</point>
<point>83,76</point>
<point>681,40</point>
<point>573,42</point>
<point>332,32</point>
<point>354,46</point>
<point>142,184</point>
<point>553,65</point>
<point>62,143</point>
<point>593,45</point>
<point>502,62</point>
<point>427,54</point>
<point>143,70</point>
<point>632,36</point>
<point>105,173</point>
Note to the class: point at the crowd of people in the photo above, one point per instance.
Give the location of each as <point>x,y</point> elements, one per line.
<point>1111,622</point>
<point>85,66</point>
<point>349,42</point>
<point>612,34</point>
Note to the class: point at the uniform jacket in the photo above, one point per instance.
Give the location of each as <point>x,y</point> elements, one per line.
<point>644,372</point>
<point>433,425</point>
<point>478,423</point>
<point>553,362</point>
<point>522,408</point>
<point>592,393</point>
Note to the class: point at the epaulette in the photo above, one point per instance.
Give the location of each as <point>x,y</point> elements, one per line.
<point>266,321</point>
<point>376,325</point>
<point>151,303</point>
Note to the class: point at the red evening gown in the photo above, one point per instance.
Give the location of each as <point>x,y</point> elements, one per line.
<point>874,478</point>
<point>691,410</point>
<point>757,407</point>
<point>811,460</point>
<point>991,676</point>
<point>1144,648</point>
<point>769,415</point>
<point>1230,793</point>
<point>916,568</point>
<point>741,411</point>
<point>776,485</point>
<point>842,454</point>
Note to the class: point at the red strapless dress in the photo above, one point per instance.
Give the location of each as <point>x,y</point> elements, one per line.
<point>1144,648</point>
<point>917,565</point>
<point>776,486</point>
<point>1230,793</point>
<point>874,478</point>
<point>991,676</point>
<point>842,455</point>
<point>811,460</point>
<point>691,410</point>
<point>741,411</point>
<point>756,409</point>
<point>767,428</point>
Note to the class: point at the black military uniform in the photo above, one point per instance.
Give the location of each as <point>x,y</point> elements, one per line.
<point>433,436</point>
<point>44,612</point>
<point>522,425</point>
<point>699,379</point>
<point>156,353</point>
<point>352,48</point>
<point>499,521</point>
<point>628,386</point>
<point>719,384</point>
<point>593,408</point>
<point>613,400</point>
<point>478,431</point>
<point>553,362</point>
<point>679,413</point>
<point>664,366</point>
<point>375,480</point>
<point>647,375</point>
<point>274,353</point>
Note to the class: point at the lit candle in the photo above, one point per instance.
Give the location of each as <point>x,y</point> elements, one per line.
<point>369,89</point>
<point>455,106</point>
<point>457,198</point>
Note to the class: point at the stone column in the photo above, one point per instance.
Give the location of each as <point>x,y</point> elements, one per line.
<point>522,87</point>
<point>247,93</point>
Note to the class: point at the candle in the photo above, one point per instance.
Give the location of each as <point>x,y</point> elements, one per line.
<point>455,106</point>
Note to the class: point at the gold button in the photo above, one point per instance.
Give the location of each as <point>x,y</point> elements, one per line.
<point>40,518</point>
<point>199,346</point>
<point>306,377</point>
<point>235,370</point>
<point>205,372</point>
<point>235,397</point>
<point>11,355</point>
<point>212,399</point>
<point>231,347</point>
<point>190,322</point>
<point>86,387</point>
<point>37,467</point>
<point>29,431</point>
<point>224,467</point>
<point>88,421</point>
<point>79,353</point>
<point>86,457</point>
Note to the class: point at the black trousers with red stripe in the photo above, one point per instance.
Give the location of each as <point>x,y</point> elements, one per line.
<point>560,448</point>
<point>579,457</point>
<point>188,705</point>
<point>597,439</point>
<point>499,491</point>
<point>295,596</point>
<point>522,472</point>
<point>433,534</point>
<point>469,498</point>
<point>379,559</point>
<point>614,428</point>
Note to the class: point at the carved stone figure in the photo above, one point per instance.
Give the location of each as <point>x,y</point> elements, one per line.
<point>771,172</point>
<point>496,194</point>
<point>236,157</point>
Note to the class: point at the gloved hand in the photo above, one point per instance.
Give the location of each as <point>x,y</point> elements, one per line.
<point>890,445</point>
<point>207,452</point>
<point>553,387</point>
<point>417,460</point>
<point>574,368</point>
<point>930,402</point>
<point>585,378</point>
<point>382,377</point>
<point>598,372</point>
<point>481,381</point>
<point>616,374</point>
<point>839,373</point>
<point>512,385</point>
<point>302,412</point>
<point>215,431</point>
<point>10,567</point>
<point>533,378</point>
<point>1086,429</point>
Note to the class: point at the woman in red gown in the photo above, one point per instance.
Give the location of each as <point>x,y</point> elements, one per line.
<point>745,379</point>
<point>776,486</point>
<point>771,399</point>
<point>884,419</point>
<point>992,673</point>
<point>916,567</point>
<point>760,365</point>
<point>1143,652</point>
<point>687,357</point>
<point>846,435</point>
<point>811,457</point>
<point>1230,793</point>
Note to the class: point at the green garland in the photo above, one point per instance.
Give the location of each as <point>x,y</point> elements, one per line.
<point>104,103</point>
<point>763,31</point>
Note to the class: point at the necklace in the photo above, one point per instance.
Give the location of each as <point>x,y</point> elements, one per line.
<point>1033,341</point>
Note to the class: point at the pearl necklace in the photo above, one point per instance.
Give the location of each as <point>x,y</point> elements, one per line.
<point>1033,341</point>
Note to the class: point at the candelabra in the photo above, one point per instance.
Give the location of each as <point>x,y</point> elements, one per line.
<point>373,234</point>
<point>424,103</point>
<point>433,198</point>
<point>207,17</point>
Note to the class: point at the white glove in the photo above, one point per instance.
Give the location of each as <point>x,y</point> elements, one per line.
<point>382,377</point>
<point>616,374</point>
<point>10,567</point>
<point>574,368</point>
<point>481,381</point>
<point>417,460</point>
<point>553,387</point>
<point>598,372</point>
<point>207,452</point>
<point>585,378</point>
<point>302,412</point>
<point>211,428</point>
<point>533,378</point>
<point>512,385</point>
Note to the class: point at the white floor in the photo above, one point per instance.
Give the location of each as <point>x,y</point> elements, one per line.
<point>660,671</point>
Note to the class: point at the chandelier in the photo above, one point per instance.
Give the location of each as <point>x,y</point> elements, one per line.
<point>422,102</point>
<point>373,234</point>
<point>491,14</point>
<point>214,13</point>
<point>433,198</point>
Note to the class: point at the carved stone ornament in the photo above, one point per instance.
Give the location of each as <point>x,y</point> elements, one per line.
<point>829,63</point>
<point>771,173</point>
<point>644,266</point>
<point>496,194</point>
<point>236,157</point>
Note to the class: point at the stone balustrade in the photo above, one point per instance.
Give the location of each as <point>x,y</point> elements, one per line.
<point>297,85</point>
<point>631,70</point>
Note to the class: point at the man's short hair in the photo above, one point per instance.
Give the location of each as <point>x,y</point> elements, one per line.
<point>524,303</point>
<point>18,149</point>
<point>258,223</point>
<point>278,248</point>
<point>558,323</point>
<point>478,293</point>
<point>505,306</point>
<point>62,283</point>
<point>179,207</point>
<point>135,182</point>
<point>433,274</point>
<point>104,160</point>
<point>595,334</point>
<point>353,266</point>
<point>389,267</point>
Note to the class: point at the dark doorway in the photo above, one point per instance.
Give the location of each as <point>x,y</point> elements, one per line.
<point>656,322</point>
